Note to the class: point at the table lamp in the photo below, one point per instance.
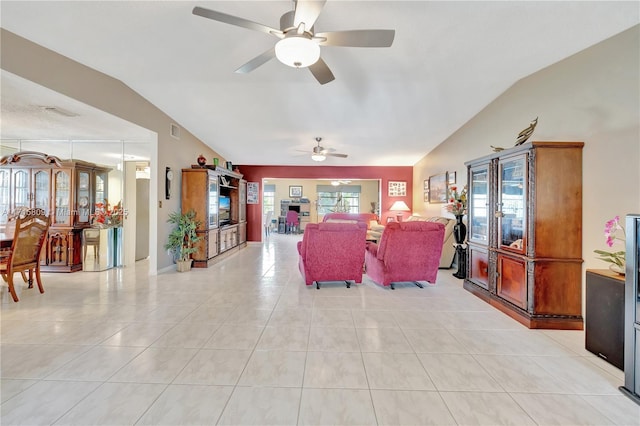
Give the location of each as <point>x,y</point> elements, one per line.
<point>399,207</point>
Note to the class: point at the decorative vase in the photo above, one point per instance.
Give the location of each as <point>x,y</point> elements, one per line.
<point>620,270</point>
<point>202,160</point>
<point>459,230</point>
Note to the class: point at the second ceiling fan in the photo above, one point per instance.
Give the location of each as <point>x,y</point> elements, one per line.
<point>299,44</point>
<point>320,154</point>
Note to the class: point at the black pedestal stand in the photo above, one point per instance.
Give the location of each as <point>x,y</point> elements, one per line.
<point>461,259</point>
<point>459,234</point>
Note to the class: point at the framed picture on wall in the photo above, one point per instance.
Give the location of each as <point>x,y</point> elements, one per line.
<point>295,191</point>
<point>397,188</point>
<point>426,196</point>
<point>252,193</point>
<point>438,188</point>
<point>452,178</point>
<point>426,185</point>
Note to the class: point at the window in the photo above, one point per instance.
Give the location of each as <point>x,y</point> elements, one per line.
<point>341,198</point>
<point>269,199</point>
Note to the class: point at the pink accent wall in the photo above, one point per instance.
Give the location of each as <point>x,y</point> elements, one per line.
<point>385,174</point>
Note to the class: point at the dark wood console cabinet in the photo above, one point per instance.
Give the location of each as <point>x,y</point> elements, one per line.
<point>525,233</point>
<point>604,328</point>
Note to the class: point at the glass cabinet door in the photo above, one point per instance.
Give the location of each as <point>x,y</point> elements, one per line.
<point>478,208</point>
<point>511,211</point>
<point>242,194</point>
<point>101,188</point>
<point>21,190</point>
<point>213,201</point>
<point>41,189</point>
<point>61,198</point>
<point>83,196</point>
<point>5,195</point>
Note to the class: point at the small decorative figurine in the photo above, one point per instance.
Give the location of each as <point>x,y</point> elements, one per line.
<point>202,160</point>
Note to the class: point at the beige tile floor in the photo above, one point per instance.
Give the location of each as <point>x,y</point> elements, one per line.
<point>246,342</point>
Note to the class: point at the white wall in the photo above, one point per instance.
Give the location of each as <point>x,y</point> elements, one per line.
<point>594,97</point>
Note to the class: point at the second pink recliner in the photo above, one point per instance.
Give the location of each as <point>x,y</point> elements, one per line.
<point>332,252</point>
<point>408,251</point>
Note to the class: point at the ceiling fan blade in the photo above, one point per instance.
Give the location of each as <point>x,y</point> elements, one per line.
<point>307,11</point>
<point>321,72</point>
<point>329,154</point>
<point>257,61</point>
<point>234,20</point>
<point>358,38</point>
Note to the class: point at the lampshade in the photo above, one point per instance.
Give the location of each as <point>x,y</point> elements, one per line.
<point>318,157</point>
<point>297,51</point>
<point>400,206</point>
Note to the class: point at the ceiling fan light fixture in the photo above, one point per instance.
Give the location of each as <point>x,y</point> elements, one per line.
<point>318,157</point>
<point>297,51</point>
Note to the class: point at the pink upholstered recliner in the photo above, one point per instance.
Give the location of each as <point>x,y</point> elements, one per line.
<point>292,221</point>
<point>332,252</point>
<point>407,251</point>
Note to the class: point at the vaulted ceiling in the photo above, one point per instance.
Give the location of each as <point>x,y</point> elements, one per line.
<point>387,106</point>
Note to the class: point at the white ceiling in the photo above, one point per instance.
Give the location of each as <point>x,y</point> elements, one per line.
<point>387,106</point>
<point>72,130</point>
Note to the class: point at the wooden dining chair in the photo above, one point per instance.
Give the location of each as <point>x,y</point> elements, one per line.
<point>28,238</point>
<point>9,230</point>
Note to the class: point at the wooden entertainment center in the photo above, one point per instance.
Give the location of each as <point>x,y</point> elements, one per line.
<point>219,198</point>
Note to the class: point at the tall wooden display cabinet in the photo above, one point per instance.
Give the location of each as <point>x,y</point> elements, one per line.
<point>525,233</point>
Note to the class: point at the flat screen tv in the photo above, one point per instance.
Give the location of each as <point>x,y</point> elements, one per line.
<point>224,209</point>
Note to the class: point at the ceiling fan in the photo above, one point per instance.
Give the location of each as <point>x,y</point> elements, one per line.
<point>299,44</point>
<point>320,154</point>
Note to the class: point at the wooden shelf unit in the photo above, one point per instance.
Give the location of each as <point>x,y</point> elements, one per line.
<point>201,191</point>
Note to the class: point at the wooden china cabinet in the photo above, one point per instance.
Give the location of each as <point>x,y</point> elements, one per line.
<point>66,190</point>
<point>525,233</point>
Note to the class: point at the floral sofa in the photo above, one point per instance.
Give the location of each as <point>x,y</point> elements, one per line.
<point>332,252</point>
<point>448,248</point>
<point>407,251</point>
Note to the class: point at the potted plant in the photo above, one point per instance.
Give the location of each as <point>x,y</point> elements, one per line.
<point>182,238</point>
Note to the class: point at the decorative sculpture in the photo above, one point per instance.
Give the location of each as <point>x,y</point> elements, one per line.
<point>524,135</point>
